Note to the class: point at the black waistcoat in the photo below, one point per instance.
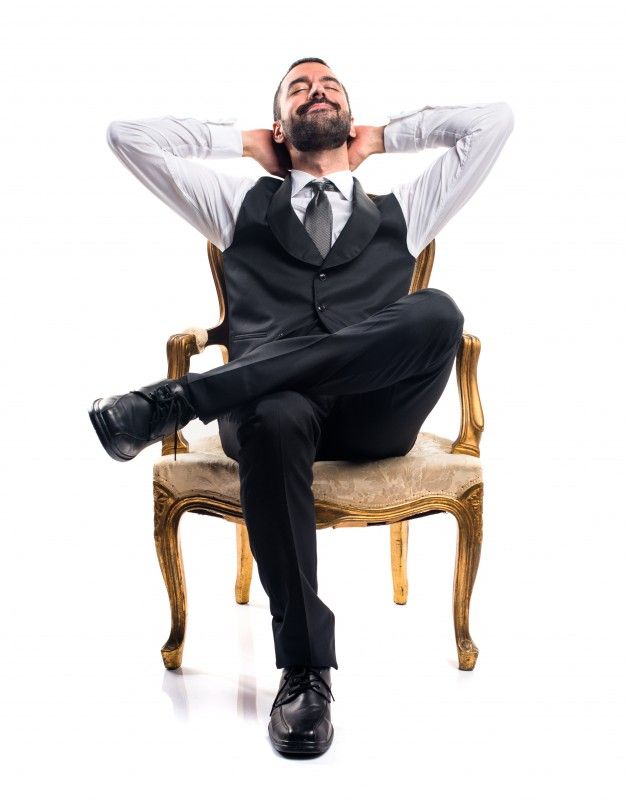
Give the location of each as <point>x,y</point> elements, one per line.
<point>278,284</point>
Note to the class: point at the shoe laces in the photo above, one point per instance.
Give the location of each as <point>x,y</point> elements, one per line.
<point>164,402</point>
<point>297,681</point>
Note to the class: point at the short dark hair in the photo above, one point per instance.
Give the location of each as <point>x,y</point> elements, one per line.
<point>276,110</point>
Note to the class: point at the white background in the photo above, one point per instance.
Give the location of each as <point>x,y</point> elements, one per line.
<point>97,273</point>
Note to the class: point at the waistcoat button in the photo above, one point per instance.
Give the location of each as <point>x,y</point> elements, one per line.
<point>321,307</point>
<point>322,276</point>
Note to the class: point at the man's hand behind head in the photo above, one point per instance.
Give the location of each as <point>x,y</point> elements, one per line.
<point>260,145</point>
<point>274,157</point>
<point>368,141</point>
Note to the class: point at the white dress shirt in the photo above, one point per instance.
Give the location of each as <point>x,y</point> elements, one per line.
<point>156,151</point>
<point>340,197</point>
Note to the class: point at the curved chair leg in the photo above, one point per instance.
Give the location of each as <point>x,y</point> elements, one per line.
<point>244,565</point>
<point>399,541</point>
<point>470,527</point>
<point>166,520</point>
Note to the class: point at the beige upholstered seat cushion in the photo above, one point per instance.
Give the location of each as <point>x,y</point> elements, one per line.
<point>428,468</point>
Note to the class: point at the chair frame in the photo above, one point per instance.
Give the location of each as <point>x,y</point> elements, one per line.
<point>467,508</point>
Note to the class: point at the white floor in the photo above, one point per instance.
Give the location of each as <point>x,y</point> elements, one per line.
<point>92,718</point>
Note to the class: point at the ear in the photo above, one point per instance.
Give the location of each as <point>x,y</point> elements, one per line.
<point>277,132</point>
<point>352,128</point>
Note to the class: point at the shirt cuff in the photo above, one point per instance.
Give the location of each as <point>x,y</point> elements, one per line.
<point>400,134</point>
<point>226,139</point>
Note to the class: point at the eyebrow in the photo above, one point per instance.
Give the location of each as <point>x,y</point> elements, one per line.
<point>306,79</point>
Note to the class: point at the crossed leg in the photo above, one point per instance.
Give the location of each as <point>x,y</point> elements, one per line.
<point>410,337</point>
<point>276,437</point>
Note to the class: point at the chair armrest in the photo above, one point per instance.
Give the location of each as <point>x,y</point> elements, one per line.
<point>201,336</point>
<point>180,348</point>
<point>472,420</point>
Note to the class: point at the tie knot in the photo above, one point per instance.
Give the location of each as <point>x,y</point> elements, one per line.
<point>321,185</point>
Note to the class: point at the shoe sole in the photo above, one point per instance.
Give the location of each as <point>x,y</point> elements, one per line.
<point>103,434</point>
<point>302,747</point>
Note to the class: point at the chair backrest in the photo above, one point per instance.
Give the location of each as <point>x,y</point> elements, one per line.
<point>420,279</point>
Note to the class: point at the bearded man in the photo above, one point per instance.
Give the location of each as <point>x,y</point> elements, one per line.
<point>329,357</point>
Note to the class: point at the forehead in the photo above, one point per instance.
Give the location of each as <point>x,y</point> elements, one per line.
<point>307,71</point>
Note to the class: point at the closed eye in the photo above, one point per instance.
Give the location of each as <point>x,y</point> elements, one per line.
<point>300,89</point>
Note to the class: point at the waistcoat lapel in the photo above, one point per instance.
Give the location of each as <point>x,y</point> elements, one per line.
<point>293,236</point>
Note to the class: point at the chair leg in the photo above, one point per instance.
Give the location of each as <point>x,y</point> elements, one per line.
<point>166,521</point>
<point>244,565</point>
<point>470,528</point>
<point>399,540</point>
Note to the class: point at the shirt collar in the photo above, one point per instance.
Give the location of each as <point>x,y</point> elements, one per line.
<point>344,180</point>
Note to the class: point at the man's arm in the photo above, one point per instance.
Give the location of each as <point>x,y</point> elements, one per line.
<point>156,151</point>
<point>475,135</point>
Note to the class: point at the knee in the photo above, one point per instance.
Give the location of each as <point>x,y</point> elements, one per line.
<point>445,310</point>
<point>283,413</point>
<point>440,311</point>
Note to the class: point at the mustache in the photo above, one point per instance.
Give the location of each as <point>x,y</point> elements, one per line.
<point>308,106</point>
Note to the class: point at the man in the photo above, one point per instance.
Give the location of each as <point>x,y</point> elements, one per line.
<point>329,357</point>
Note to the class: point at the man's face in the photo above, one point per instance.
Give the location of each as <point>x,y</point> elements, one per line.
<point>314,109</point>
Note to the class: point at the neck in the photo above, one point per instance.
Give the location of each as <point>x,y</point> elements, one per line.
<point>320,163</point>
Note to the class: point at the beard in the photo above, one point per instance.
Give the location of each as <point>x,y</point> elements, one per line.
<point>318,130</point>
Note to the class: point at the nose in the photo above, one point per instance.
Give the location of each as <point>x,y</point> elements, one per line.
<point>317,89</point>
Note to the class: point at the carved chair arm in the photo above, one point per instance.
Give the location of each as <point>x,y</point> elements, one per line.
<point>472,420</point>
<point>180,348</point>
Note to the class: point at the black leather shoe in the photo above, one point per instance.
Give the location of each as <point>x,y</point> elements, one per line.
<point>300,715</point>
<point>128,423</point>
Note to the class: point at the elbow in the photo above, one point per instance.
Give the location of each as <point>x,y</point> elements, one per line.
<point>115,135</point>
<point>503,116</point>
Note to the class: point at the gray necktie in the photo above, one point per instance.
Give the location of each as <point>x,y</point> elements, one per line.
<point>318,217</point>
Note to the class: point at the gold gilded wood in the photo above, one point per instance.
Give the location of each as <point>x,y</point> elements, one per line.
<point>469,544</point>
<point>472,420</point>
<point>179,350</point>
<point>166,520</point>
<point>181,347</point>
<point>244,565</point>
<point>423,268</point>
<point>399,539</point>
<point>467,509</point>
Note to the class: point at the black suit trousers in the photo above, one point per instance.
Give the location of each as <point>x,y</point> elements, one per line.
<point>360,393</point>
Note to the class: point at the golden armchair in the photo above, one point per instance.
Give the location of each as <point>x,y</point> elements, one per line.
<point>437,475</point>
